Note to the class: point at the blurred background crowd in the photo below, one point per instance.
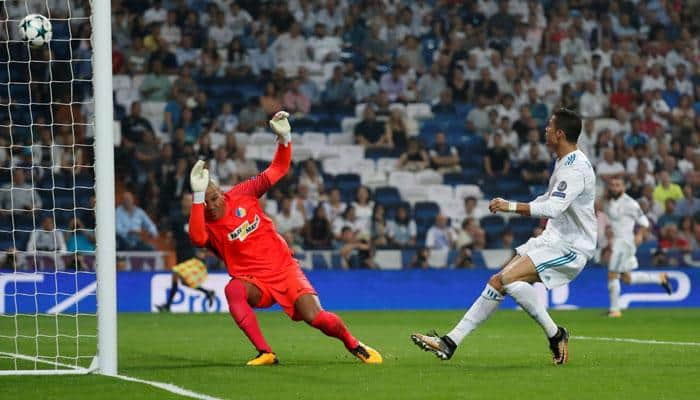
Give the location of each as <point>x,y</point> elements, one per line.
<point>407,117</point>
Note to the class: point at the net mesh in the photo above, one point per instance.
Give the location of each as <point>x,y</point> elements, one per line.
<point>47,278</point>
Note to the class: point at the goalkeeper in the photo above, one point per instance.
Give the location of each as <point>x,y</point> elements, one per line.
<point>263,272</point>
<point>191,269</point>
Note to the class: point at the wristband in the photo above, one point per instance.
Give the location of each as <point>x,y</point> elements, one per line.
<point>198,197</point>
<point>512,206</point>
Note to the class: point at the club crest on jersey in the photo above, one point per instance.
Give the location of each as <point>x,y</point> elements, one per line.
<point>562,186</point>
<point>244,229</point>
<point>240,212</point>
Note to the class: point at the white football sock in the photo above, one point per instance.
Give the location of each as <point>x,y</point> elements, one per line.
<point>639,278</point>
<point>526,297</point>
<point>614,291</point>
<point>479,312</point>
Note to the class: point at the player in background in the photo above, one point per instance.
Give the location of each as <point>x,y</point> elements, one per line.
<point>624,213</point>
<point>554,258</point>
<point>190,269</point>
<point>263,272</point>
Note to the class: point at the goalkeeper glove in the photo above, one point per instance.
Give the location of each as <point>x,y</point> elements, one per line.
<point>199,180</point>
<point>280,125</point>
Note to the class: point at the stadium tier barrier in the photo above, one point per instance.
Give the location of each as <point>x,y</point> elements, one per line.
<point>339,290</point>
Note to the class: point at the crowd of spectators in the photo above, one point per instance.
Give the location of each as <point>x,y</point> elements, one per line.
<point>496,67</point>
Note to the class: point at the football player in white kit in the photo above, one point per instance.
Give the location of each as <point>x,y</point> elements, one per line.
<point>553,258</point>
<point>624,213</point>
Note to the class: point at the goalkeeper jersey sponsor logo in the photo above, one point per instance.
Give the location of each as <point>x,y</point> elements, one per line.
<point>244,229</point>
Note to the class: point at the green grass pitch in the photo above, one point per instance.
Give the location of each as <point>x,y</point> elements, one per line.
<point>507,358</point>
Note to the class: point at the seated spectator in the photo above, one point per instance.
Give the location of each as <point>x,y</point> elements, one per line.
<point>270,100</point>
<point>592,104</point>
<point>222,168</point>
<point>623,97</point>
<point>355,250</point>
<point>18,194</point>
<point>288,223</point>
<point>363,206</point>
<point>46,238</point>
<point>184,84</point>
<point>689,205</point>
<point>262,59</point>
<point>291,46</point>
<point>478,117</point>
<point>684,114</point>
<point>412,52</point>
<point>237,61</point>
<point>507,108</point>
<point>350,219</point>
<point>370,132</point>
<point>227,121</point>
<point>396,131</point>
<point>324,47</point>
<point>534,171</point>
<point>510,137</point>
<point>414,158</point>
<point>334,206</point>
<point>486,87</point>
<point>134,126</point>
<point>393,83</point>
<point>666,189</point>
<point>131,224</point>
<point>431,85</point>
<point>191,125</point>
<point>609,168</point>
<point>311,178</point>
<point>365,86</point>
<point>308,87</point>
<point>155,85</point>
<point>670,239</point>
<point>443,157</point>
<point>669,216</point>
<point>421,259</point>
<point>302,204</point>
<point>444,104</point>
<point>202,111</point>
<point>317,231</point>
<point>497,159</point>
<point>459,86</point>
<point>402,230</point>
<point>378,229</point>
<point>549,85</point>
<point>245,167</point>
<point>295,102</point>
<point>80,241</point>
<point>440,236</point>
<point>464,234</point>
<point>339,93</point>
<point>219,32</point>
<point>252,116</point>
<point>506,239</point>
<point>538,109</point>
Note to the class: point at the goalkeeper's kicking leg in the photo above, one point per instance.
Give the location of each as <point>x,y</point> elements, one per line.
<point>516,280</point>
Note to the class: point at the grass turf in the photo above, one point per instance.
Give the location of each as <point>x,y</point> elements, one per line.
<point>506,358</point>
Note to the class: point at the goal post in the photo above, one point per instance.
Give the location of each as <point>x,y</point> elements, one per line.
<point>105,252</point>
<point>58,312</point>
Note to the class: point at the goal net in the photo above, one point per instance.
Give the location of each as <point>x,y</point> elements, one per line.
<point>50,135</point>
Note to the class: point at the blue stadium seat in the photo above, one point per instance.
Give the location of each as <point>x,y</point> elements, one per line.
<point>391,207</point>
<point>522,225</point>
<point>387,195</point>
<point>376,153</point>
<point>426,210</point>
<point>493,225</point>
<point>347,181</point>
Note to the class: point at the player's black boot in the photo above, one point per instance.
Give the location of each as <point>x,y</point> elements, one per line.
<point>211,295</point>
<point>666,284</point>
<point>442,346</point>
<point>163,308</point>
<point>559,345</point>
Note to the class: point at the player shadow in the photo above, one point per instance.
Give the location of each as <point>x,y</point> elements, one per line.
<point>175,362</point>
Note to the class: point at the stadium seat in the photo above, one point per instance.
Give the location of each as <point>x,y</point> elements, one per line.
<point>418,111</point>
<point>438,192</point>
<point>387,165</point>
<point>377,153</point>
<point>314,138</point>
<point>387,195</point>
<point>340,138</point>
<point>347,182</point>
<point>493,225</point>
<point>522,225</point>
<point>426,210</point>
<point>429,177</point>
<point>242,138</point>
<point>347,124</point>
<point>350,152</point>
<point>362,166</point>
<point>413,193</point>
<point>402,178</point>
<point>260,138</point>
<point>464,191</point>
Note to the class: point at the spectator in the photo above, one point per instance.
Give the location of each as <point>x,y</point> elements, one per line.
<point>669,217</point>
<point>291,47</point>
<point>131,224</point>
<point>252,116</point>
<point>538,109</point>
<point>549,85</point>
<point>355,250</point>
<point>666,189</point>
<point>609,168</point>
<point>289,224</point>
<point>412,52</point>
<point>226,122</point>
<point>510,137</point>
<point>170,31</point>
<point>379,232</point>
<point>478,117</point>
<point>262,59</point>
<point>431,85</point>
<point>370,132</point>
<point>246,168</point>
<point>46,238</point>
<point>270,100</point>
<point>592,104</point>
<point>497,160</point>
<point>155,13</point>
<point>237,62</point>
<point>238,19</point>
<point>222,168</point>
<point>394,84</point>
<point>155,85</point>
<point>670,239</point>
<point>414,158</point>
<point>349,219</point>
<point>308,87</point>
<point>440,236</point>
<point>402,230</point>
<point>421,259</point>
<point>689,205</point>
<point>317,231</point>
<point>324,47</point>
<point>363,206</point>
<point>396,131</point>
<point>534,171</point>
<point>18,194</point>
<point>134,126</point>
<point>312,179</point>
<point>365,86</point>
<point>444,157</point>
<point>220,32</point>
<point>192,126</point>
<point>80,241</point>
<point>445,104</point>
<point>339,92</point>
<point>623,97</point>
<point>459,87</point>
<point>295,102</point>
<point>334,206</point>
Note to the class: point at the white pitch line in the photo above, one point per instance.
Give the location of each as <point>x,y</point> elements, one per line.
<point>168,387</point>
<point>631,340</point>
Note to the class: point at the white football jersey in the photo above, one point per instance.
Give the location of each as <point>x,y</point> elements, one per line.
<point>569,205</point>
<point>624,213</point>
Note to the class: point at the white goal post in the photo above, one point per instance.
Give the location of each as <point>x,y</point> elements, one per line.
<point>55,319</point>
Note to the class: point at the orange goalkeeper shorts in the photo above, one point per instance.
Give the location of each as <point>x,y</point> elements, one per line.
<point>284,289</point>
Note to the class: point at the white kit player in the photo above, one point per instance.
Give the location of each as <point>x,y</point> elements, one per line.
<point>553,258</point>
<point>624,213</point>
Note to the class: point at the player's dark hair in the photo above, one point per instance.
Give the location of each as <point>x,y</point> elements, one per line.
<point>569,122</point>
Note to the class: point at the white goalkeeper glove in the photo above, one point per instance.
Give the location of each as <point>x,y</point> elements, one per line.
<point>280,125</point>
<point>199,180</point>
